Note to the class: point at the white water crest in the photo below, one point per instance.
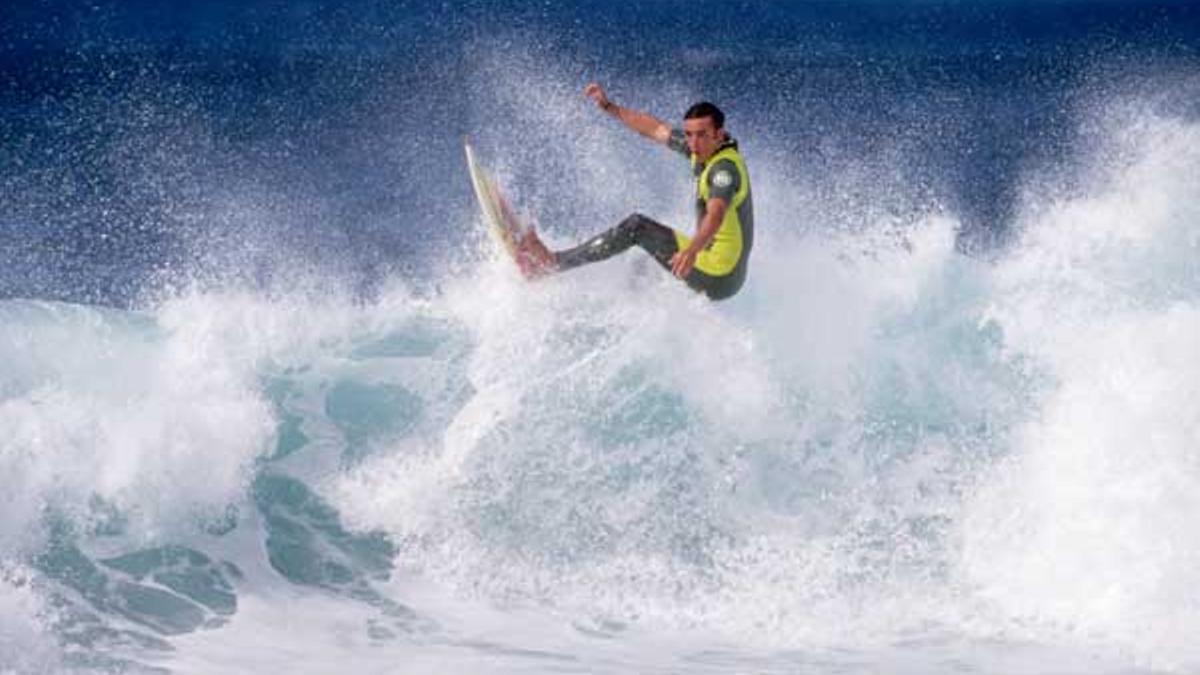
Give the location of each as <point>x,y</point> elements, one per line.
<point>1091,527</point>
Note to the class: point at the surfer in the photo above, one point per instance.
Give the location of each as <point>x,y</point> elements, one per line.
<point>714,260</point>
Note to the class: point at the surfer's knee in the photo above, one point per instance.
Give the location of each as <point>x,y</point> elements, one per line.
<point>634,223</point>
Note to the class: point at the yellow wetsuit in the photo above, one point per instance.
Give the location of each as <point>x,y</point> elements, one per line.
<point>724,173</point>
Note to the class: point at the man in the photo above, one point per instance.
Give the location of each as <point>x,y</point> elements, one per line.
<point>714,260</point>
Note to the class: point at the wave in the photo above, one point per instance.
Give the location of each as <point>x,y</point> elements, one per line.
<point>881,440</point>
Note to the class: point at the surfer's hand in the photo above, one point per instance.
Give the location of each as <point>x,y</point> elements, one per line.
<point>683,262</point>
<point>595,92</point>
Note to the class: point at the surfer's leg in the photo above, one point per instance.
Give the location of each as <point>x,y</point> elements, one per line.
<point>656,238</point>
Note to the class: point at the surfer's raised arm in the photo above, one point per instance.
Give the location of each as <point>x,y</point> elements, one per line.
<point>644,123</point>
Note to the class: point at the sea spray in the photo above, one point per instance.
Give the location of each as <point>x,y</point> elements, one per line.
<point>1089,527</point>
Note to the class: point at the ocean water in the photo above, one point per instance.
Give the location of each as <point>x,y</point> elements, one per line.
<point>270,401</point>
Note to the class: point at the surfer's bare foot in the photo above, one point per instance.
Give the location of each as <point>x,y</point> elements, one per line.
<point>534,259</point>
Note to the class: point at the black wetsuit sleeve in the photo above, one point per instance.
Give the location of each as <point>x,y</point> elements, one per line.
<point>724,180</point>
<point>678,143</point>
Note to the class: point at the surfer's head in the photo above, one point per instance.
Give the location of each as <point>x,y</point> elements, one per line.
<point>704,129</point>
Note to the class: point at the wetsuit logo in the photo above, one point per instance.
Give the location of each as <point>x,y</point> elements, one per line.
<point>722,179</point>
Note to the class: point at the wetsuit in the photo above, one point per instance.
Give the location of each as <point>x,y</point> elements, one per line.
<point>720,269</point>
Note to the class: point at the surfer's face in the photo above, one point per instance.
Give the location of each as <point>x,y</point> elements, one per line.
<point>703,137</point>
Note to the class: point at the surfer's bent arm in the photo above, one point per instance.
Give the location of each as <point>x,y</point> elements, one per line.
<point>714,213</point>
<point>644,123</point>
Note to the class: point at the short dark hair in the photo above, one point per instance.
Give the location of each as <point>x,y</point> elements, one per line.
<point>706,109</point>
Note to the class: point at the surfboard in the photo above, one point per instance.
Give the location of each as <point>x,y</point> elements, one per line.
<point>506,228</point>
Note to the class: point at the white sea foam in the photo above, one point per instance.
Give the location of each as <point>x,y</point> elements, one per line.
<point>156,418</point>
<point>1091,526</point>
<point>27,644</point>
